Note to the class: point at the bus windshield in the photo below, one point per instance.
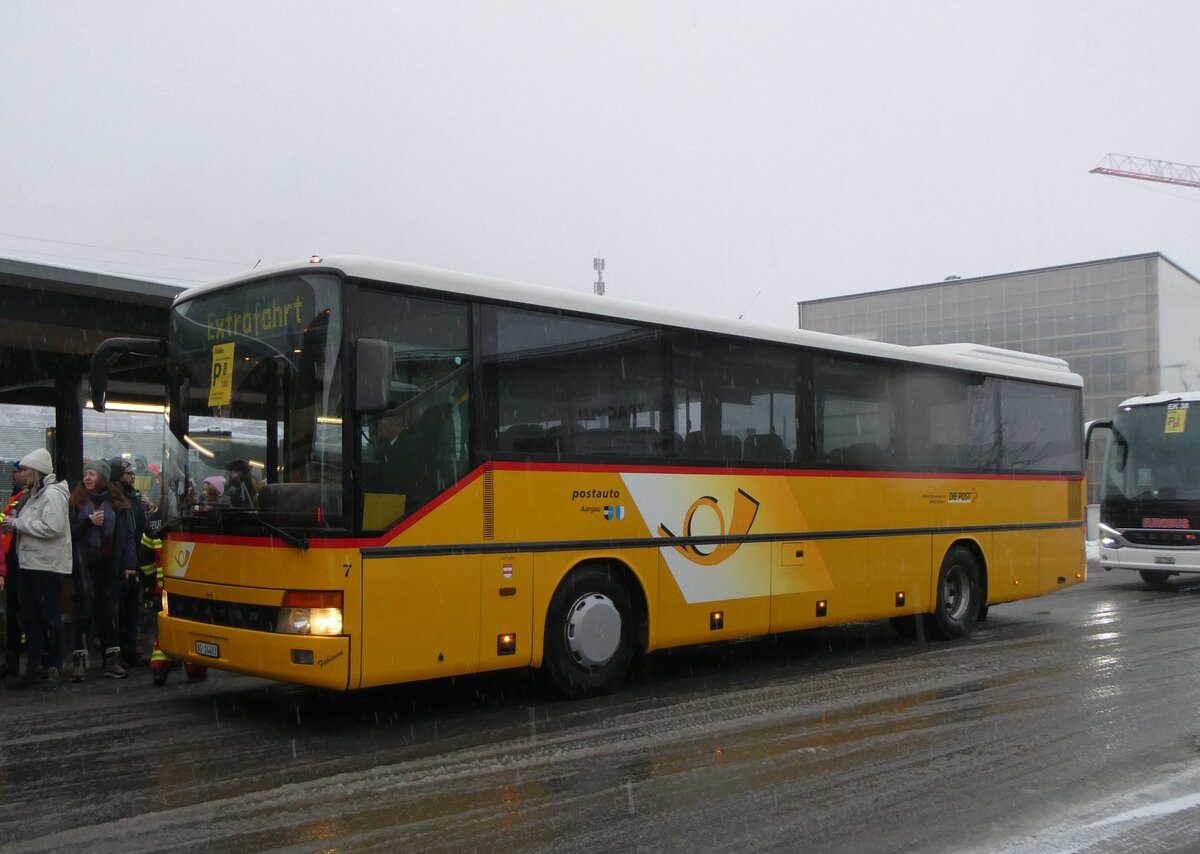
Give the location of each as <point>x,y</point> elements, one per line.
<point>256,408</point>
<point>1153,454</point>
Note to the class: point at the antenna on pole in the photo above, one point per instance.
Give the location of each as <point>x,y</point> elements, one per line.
<point>747,308</point>
<point>598,265</point>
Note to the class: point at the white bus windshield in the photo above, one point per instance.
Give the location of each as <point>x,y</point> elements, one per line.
<point>1153,454</point>
<point>257,380</point>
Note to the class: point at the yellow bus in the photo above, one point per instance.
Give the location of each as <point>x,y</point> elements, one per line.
<point>377,473</point>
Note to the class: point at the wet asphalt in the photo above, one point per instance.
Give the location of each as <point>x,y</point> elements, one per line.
<point>1065,723</point>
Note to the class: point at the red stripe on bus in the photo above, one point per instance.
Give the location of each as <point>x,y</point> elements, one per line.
<point>394,532</point>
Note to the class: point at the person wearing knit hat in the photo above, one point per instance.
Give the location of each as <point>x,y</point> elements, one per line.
<point>43,548</point>
<point>118,465</point>
<point>102,528</point>
<point>100,467</point>
<point>212,488</point>
<point>39,461</point>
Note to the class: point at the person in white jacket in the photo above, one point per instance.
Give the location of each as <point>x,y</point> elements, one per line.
<point>43,543</point>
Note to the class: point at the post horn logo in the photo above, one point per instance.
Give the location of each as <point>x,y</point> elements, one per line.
<point>745,509</point>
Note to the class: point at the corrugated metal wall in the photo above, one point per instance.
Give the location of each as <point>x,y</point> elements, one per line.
<point>111,434</point>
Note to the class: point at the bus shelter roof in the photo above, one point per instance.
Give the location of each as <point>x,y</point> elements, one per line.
<point>53,318</point>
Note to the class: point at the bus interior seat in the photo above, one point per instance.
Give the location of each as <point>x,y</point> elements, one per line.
<point>766,448</point>
<point>670,443</point>
<point>555,440</point>
<point>725,448</point>
<point>620,442</point>
<point>858,454</point>
<point>729,447</point>
<point>537,445</point>
<point>531,439</point>
<point>512,437</point>
<point>299,500</point>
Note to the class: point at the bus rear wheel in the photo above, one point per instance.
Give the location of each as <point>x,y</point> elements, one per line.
<point>589,633</point>
<point>959,594</point>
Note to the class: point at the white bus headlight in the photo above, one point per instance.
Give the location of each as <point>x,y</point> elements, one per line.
<point>310,613</point>
<point>325,621</point>
<point>1110,539</point>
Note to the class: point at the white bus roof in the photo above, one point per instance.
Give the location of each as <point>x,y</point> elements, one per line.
<point>968,357</point>
<point>1161,397</point>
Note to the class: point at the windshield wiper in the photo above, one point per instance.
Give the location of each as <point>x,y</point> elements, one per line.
<point>299,541</point>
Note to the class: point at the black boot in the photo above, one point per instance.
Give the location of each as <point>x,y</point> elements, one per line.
<point>112,665</point>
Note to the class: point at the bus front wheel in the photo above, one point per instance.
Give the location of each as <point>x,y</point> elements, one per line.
<point>959,594</point>
<point>589,633</point>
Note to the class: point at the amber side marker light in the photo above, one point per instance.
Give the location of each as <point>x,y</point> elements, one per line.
<point>900,599</point>
<point>506,644</point>
<point>822,607</point>
<point>716,620</point>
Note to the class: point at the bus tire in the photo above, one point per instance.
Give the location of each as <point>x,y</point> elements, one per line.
<point>959,594</point>
<point>1155,577</point>
<point>590,633</point>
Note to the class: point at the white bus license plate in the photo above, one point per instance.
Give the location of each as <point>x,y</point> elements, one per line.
<point>211,650</point>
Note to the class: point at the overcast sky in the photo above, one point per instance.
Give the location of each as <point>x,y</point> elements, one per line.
<point>708,151</point>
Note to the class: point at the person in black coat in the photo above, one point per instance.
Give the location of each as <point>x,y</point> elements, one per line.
<point>131,599</point>
<point>102,531</point>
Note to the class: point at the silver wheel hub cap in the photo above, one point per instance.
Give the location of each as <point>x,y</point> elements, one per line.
<point>593,630</point>
<point>956,593</point>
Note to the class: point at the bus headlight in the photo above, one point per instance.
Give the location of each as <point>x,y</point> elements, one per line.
<point>310,613</point>
<point>1110,539</point>
<point>310,621</point>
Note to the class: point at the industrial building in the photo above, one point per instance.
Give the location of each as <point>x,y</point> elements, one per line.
<point>1127,325</point>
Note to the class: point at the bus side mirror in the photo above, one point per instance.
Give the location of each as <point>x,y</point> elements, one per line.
<point>1121,443</point>
<point>1087,435</point>
<point>106,356</point>
<point>373,374</point>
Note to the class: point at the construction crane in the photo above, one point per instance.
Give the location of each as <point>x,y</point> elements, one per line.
<point>1124,166</point>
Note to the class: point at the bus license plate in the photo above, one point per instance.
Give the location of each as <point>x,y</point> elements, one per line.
<point>211,650</point>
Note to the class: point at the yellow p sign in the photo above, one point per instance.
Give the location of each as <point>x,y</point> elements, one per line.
<point>220,393</point>
<point>1176,418</point>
